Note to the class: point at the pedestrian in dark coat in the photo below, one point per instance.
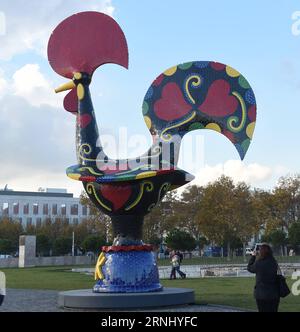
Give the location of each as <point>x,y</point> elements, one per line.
<point>266,291</point>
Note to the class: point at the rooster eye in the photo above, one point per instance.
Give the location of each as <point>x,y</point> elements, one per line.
<point>77,76</point>
<point>81,78</point>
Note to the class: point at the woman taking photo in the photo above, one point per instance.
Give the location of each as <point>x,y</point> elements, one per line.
<point>266,291</point>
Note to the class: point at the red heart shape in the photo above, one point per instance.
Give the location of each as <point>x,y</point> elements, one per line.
<point>218,102</point>
<point>158,80</point>
<point>252,113</point>
<point>217,66</point>
<point>118,195</point>
<point>84,120</point>
<point>172,105</point>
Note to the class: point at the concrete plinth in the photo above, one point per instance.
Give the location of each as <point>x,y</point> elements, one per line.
<point>86,299</point>
<point>27,251</point>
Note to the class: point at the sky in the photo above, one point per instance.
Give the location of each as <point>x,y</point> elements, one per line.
<point>260,39</point>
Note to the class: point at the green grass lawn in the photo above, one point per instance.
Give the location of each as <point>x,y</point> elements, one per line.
<point>235,292</point>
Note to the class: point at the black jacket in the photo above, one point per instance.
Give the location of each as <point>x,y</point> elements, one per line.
<point>266,287</point>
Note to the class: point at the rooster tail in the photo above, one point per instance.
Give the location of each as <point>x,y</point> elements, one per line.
<point>201,95</point>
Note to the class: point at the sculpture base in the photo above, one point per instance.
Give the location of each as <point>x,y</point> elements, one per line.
<point>87,299</point>
<point>127,269</point>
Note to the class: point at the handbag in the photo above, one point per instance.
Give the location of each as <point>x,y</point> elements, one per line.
<point>282,284</point>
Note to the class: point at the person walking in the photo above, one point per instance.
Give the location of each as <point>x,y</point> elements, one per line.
<point>175,261</point>
<point>266,291</point>
<point>180,258</point>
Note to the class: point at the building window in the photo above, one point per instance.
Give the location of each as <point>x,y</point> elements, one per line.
<point>63,209</point>
<point>5,209</point>
<point>29,221</point>
<point>20,221</point>
<point>16,208</point>
<point>84,210</point>
<point>54,209</point>
<point>35,208</point>
<point>74,209</point>
<point>67,221</point>
<point>38,222</point>
<point>45,209</point>
<point>26,208</point>
<point>75,221</point>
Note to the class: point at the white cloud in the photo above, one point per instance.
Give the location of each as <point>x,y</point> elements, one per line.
<point>37,143</point>
<point>29,23</point>
<point>253,174</point>
<point>239,171</point>
<point>3,85</point>
<point>30,84</point>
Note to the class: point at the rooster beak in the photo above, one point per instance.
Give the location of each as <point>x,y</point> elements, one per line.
<point>67,86</point>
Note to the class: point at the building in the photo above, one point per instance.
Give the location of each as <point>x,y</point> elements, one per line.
<point>32,208</point>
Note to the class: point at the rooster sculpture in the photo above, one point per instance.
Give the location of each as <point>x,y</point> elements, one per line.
<point>190,96</point>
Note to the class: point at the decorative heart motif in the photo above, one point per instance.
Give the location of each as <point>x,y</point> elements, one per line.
<point>84,120</point>
<point>252,113</point>
<point>218,101</point>
<point>158,80</point>
<point>230,136</point>
<point>172,105</point>
<point>217,66</point>
<point>118,195</point>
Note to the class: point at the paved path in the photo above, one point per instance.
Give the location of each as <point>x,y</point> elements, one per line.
<point>25,300</point>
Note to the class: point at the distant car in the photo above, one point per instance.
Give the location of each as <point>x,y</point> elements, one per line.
<point>257,247</point>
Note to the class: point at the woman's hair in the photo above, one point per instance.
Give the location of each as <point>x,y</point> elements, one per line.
<point>265,251</point>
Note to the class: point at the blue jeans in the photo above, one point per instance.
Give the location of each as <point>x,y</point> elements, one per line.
<point>182,274</point>
<point>176,269</point>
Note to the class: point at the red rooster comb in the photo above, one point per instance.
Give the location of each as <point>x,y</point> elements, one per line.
<point>82,43</point>
<point>85,41</point>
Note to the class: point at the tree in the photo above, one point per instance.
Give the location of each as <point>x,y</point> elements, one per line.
<point>162,218</point>
<point>294,235</point>
<point>186,210</point>
<point>10,230</point>
<point>62,246</point>
<point>180,240</point>
<point>202,241</point>
<point>97,221</point>
<point>265,238</point>
<point>43,244</point>
<point>278,239</point>
<point>264,209</point>
<point>226,213</point>
<point>284,203</point>
<point>246,223</point>
<point>93,243</point>
<point>7,247</point>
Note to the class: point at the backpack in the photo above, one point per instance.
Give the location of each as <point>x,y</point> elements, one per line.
<point>180,257</point>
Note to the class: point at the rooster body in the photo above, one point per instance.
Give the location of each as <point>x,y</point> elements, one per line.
<point>186,97</point>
